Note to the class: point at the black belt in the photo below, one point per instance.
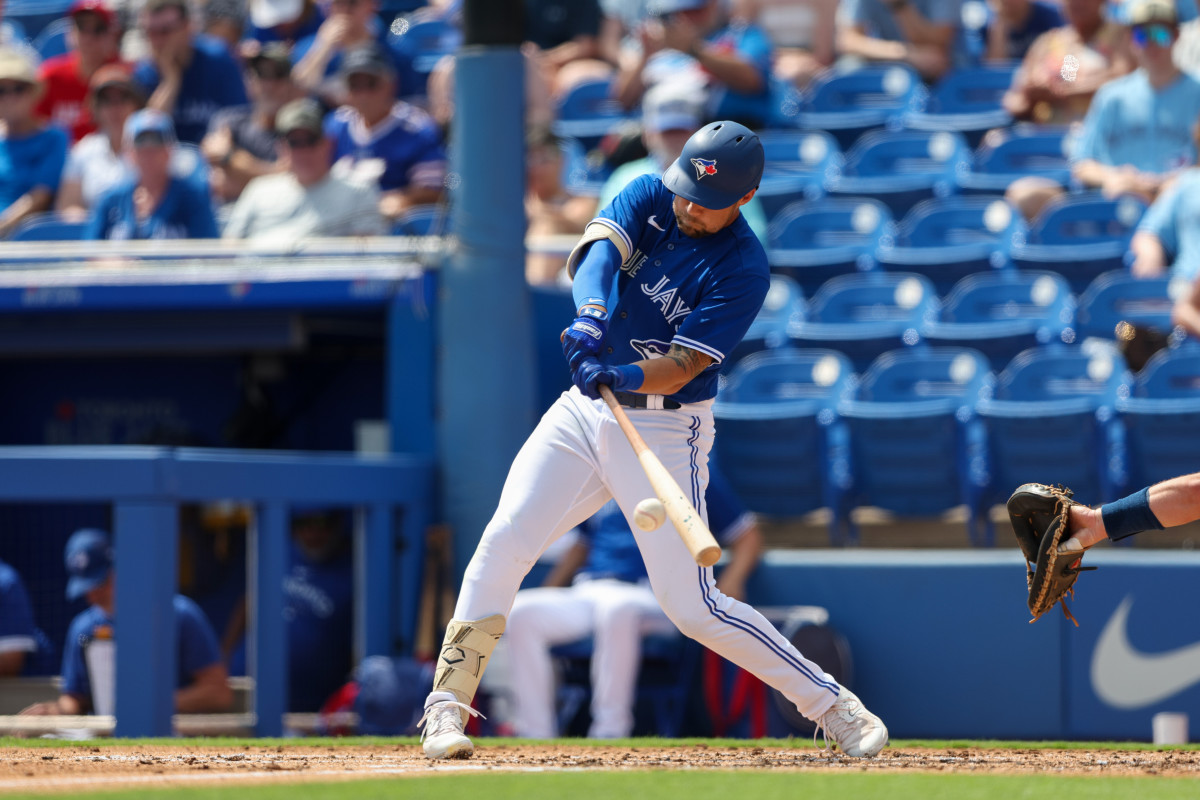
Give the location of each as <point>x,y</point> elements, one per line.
<point>635,400</point>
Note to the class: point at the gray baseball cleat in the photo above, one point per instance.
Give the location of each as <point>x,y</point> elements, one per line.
<point>848,724</point>
<point>442,727</point>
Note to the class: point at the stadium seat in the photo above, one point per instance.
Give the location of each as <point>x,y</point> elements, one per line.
<point>797,163</point>
<point>773,418</point>
<point>966,100</point>
<point>1016,152</point>
<point>422,41</point>
<point>588,112</point>
<point>901,168</point>
<point>783,304</point>
<point>47,227</point>
<point>1162,416</point>
<point>1079,236</point>
<point>1002,313</point>
<point>867,314</point>
<point>915,445</point>
<point>812,242</point>
<point>847,104</point>
<point>1052,420</point>
<point>33,16</point>
<point>52,41</point>
<point>1116,299</point>
<point>949,238</point>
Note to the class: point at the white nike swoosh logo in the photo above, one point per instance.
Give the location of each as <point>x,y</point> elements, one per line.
<point>1126,678</point>
<point>655,224</point>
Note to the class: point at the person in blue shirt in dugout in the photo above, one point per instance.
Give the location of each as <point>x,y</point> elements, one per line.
<point>20,639</point>
<point>156,204</point>
<point>203,684</point>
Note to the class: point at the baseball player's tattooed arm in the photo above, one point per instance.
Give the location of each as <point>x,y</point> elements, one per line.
<point>672,372</point>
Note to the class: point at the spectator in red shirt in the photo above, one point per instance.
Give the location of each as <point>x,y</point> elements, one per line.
<point>95,40</point>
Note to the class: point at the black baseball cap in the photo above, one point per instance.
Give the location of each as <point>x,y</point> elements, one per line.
<point>367,60</point>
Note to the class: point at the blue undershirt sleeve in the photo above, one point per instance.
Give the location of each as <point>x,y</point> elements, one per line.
<point>594,276</point>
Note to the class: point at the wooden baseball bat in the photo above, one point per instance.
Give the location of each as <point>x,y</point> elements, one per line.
<point>687,520</point>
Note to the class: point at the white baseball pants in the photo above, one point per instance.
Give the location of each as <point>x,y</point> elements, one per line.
<point>573,463</point>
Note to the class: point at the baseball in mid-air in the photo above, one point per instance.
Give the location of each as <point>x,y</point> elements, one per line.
<point>649,514</point>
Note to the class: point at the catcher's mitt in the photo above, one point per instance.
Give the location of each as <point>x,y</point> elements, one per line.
<point>1039,515</point>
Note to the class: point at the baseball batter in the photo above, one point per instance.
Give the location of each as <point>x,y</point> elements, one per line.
<point>667,279</point>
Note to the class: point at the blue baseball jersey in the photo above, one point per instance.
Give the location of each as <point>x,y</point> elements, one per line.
<point>318,607</point>
<point>30,162</point>
<point>614,552</point>
<point>196,645</point>
<point>1175,219</point>
<point>672,289</point>
<point>184,213</point>
<point>212,81</point>
<point>1131,123</point>
<point>17,631</point>
<point>403,150</point>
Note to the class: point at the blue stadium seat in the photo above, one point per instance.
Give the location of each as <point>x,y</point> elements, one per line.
<point>949,238</point>
<point>966,100</point>
<point>588,112</point>
<point>783,304</point>
<point>773,417</point>
<point>867,314</point>
<point>429,219</point>
<point>1079,236</point>
<point>1117,297</point>
<point>47,227</point>
<point>1012,153</point>
<point>812,242</point>
<point>847,104</point>
<point>52,41</point>
<point>33,16</point>
<point>1052,420</point>
<point>797,163</point>
<point>915,443</point>
<point>901,168</point>
<point>1162,417</point>
<point>422,41</point>
<point>1002,313</point>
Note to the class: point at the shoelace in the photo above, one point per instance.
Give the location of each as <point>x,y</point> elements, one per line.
<point>824,731</point>
<point>443,718</point>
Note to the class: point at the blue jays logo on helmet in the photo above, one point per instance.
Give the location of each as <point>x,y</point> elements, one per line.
<point>704,166</point>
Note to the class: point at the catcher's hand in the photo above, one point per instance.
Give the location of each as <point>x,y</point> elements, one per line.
<point>1039,515</point>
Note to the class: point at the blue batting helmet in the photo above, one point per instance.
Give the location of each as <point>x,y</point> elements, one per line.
<point>720,163</point>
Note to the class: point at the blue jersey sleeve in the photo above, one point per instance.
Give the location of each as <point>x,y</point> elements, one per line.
<point>626,215</point>
<point>201,223</point>
<point>730,304</point>
<point>197,640</point>
<point>17,631</point>
<point>1160,217</point>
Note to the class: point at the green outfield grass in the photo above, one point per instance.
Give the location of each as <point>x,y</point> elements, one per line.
<point>677,784</point>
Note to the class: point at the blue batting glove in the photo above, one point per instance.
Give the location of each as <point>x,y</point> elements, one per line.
<point>591,374</point>
<point>585,336</point>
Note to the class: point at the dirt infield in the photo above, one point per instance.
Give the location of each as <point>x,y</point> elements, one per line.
<point>71,768</point>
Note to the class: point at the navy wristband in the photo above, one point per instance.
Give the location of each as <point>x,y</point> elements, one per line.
<point>1129,515</point>
<point>630,377</point>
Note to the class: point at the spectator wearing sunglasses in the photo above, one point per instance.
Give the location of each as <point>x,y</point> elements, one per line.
<point>351,25</point>
<point>97,163</point>
<point>1138,131</point>
<point>189,76</point>
<point>305,200</point>
<point>94,39</point>
<point>155,204</point>
<point>31,152</point>
<point>240,144</point>
<point>382,140</point>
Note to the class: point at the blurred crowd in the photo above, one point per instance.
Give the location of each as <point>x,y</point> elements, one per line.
<point>276,119</point>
